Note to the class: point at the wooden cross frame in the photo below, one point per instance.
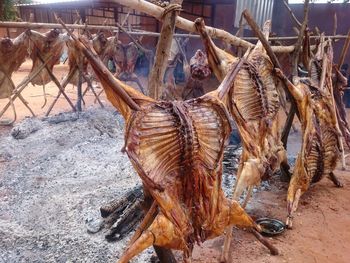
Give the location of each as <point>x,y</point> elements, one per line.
<point>20,87</point>
<point>11,100</point>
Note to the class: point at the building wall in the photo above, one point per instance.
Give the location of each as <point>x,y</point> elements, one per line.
<point>320,15</point>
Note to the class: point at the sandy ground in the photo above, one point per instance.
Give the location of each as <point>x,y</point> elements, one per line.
<point>53,181</point>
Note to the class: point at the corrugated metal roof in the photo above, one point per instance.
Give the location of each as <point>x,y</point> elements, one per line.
<point>261,10</point>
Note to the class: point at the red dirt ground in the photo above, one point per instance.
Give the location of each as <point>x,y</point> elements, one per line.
<point>321,231</point>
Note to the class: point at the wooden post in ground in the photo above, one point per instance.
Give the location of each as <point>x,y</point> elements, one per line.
<point>295,59</point>
<point>79,88</point>
<point>155,84</point>
<point>155,87</point>
<point>20,87</point>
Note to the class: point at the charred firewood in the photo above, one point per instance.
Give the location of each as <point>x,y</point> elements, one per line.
<point>120,204</point>
<point>177,150</point>
<point>126,220</point>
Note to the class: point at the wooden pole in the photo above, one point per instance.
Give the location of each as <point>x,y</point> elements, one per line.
<point>63,85</point>
<point>79,88</point>
<point>54,79</point>
<point>157,11</point>
<point>295,19</point>
<point>155,87</point>
<point>155,84</point>
<point>295,59</point>
<point>276,49</point>
<point>21,86</point>
<point>344,51</point>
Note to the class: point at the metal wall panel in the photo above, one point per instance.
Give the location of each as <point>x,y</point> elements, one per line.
<point>261,10</point>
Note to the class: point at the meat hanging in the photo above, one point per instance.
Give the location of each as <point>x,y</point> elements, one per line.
<point>76,61</point>
<point>177,149</point>
<point>46,47</point>
<point>320,149</point>
<point>199,71</point>
<point>109,49</point>
<point>339,85</point>
<point>253,102</point>
<point>13,53</point>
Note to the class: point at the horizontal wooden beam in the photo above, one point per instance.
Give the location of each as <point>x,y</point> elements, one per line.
<point>277,49</point>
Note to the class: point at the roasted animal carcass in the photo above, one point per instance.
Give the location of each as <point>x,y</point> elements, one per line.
<point>75,60</point>
<point>126,63</point>
<point>339,85</point>
<point>320,144</point>
<point>177,150</point>
<point>254,103</point>
<point>125,58</point>
<point>109,49</point>
<point>12,54</point>
<point>200,71</point>
<point>49,47</point>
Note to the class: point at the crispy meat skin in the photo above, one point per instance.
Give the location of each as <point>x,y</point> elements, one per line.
<point>176,145</point>
<point>321,146</point>
<point>253,102</point>
<point>75,57</point>
<point>177,149</point>
<point>339,85</point>
<point>12,54</point>
<point>200,71</point>
<point>50,45</point>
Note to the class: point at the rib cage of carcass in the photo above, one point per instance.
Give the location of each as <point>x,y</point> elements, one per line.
<point>339,86</point>
<point>106,48</point>
<point>254,104</point>
<point>13,53</point>
<point>49,47</point>
<point>177,150</point>
<point>321,136</point>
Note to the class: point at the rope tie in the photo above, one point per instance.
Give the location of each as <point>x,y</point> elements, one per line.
<point>171,8</point>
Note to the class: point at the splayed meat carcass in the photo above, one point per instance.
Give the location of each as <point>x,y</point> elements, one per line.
<point>50,47</point>
<point>195,73</point>
<point>177,149</point>
<point>13,53</point>
<point>125,58</point>
<point>125,61</point>
<point>109,49</point>
<point>170,92</point>
<point>76,60</point>
<point>254,103</point>
<point>46,48</point>
<point>321,137</point>
<point>106,48</point>
<point>200,71</point>
<point>339,85</point>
